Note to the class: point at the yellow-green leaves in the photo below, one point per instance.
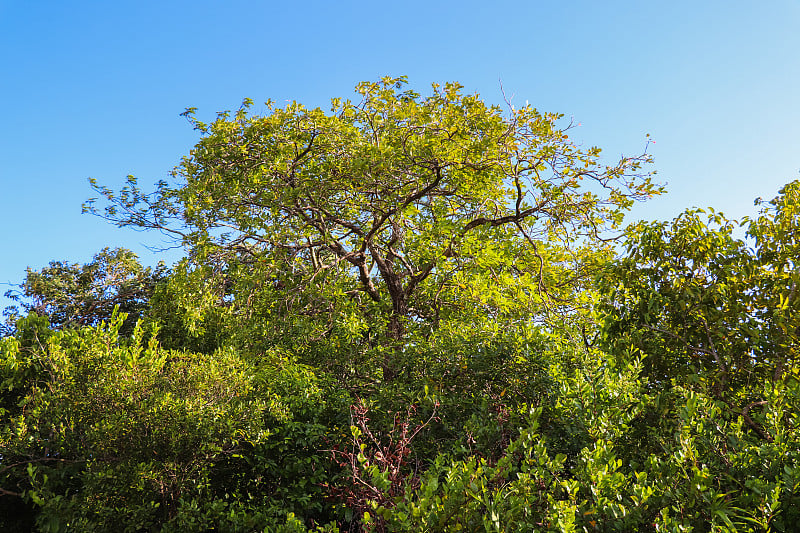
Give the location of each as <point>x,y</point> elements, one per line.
<point>373,214</point>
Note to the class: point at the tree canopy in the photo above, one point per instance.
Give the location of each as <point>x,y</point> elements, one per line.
<point>70,294</point>
<point>407,313</point>
<point>392,210</point>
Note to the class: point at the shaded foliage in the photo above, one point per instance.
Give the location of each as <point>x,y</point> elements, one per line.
<point>72,295</point>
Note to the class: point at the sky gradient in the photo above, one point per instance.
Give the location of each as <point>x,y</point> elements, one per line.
<point>95,89</point>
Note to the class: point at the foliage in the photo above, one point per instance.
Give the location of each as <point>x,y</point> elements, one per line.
<point>74,295</point>
<point>382,218</point>
<point>404,315</point>
<point>701,303</point>
<point>597,460</point>
<point>113,431</point>
<point>380,467</point>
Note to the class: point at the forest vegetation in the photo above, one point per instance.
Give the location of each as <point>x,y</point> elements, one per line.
<point>407,313</point>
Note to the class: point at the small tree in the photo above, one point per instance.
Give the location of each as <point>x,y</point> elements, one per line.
<point>72,294</point>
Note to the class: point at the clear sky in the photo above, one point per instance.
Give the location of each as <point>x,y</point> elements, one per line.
<point>95,89</point>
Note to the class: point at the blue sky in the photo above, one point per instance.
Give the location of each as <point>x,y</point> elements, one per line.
<point>95,89</point>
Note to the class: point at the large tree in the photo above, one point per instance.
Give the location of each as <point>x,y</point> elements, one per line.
<point>701,303</point>
<point>391,210</point>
